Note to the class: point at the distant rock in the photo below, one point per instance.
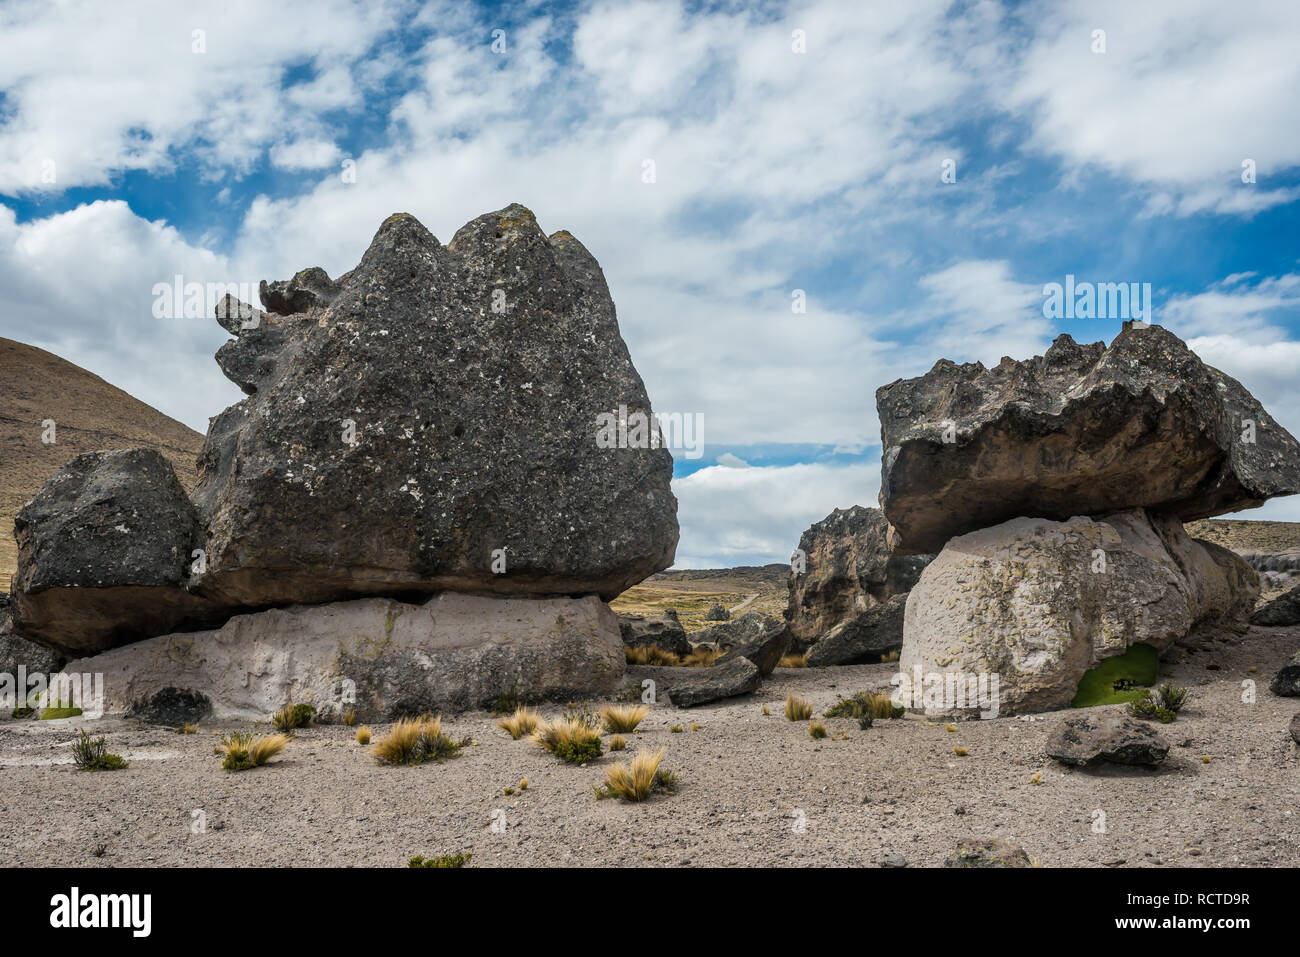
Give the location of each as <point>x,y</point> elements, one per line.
<point>1111,737</point>
<point>864,638</point>
<point>761,638</point>
<point>380,657</point>
<point>1039,602</point>
<point>1282,610</point>
<point>717,613</point>
<point>1286,682</point>
<point>988,853</point>
<point>1082,430</point>
<point>666,633</point>
<point>696,686</point>
<point>103,554</point>
<point>848,568</point>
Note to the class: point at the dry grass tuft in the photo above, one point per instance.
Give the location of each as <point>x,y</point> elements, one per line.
<point>415,741</point>
<point>817,730</point>
<point>524,721</point>
<point>649,655</point>
<point>363,735</point>
<point>796,709</point>
<point>243,751</point>
<point>702,658</point>
<point>793,661</point>
<point>623,718</point>
<point>638,779</point>
<point>570,739</point>
<point>617,743</point>
<point>350,717</point>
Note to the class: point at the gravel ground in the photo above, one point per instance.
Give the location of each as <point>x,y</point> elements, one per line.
<point>754,789</point>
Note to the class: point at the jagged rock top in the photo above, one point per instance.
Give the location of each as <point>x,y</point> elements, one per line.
<point>1083,429</point>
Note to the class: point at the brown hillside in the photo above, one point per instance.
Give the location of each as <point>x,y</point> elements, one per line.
<point>88,413</point>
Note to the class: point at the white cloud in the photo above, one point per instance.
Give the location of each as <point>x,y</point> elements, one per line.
<point>1184,93</point>
<point>305,154</point>
<point>732,516</point>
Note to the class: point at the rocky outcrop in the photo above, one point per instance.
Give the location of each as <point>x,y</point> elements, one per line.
<point>1286,682</point>
<point>864,638</point>
<point>845,567</point>
<point>1094,738</point>
<point>1282,610</point>
<point>459,418</point>
<point>717,613</point>
<point>666,633</point>
<point>431,421</point>
<point>760,638</point>
<point>18,653</point>
<point>380,657</point>
<point>104,551</point>
<point>1039,602</point>
<point>1082,430</point>
<point>689,687</point>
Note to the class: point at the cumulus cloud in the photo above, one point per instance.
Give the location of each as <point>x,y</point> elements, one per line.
<point>753,516</point>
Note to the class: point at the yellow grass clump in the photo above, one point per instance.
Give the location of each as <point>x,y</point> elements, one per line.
<point>243,751</point>
<point>416,740</point>
<point>793,661</point>
<point>617,743</point>
<point>570,739</point>
<point>637,779</point>
<point>649,655</point>
<point>796,709</point>
<point>702,658</point>
<point>524,721</point>
<point>363,735</point>
<point>622,718</point>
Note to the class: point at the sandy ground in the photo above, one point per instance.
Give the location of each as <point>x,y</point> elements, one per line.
<point>755,789</point>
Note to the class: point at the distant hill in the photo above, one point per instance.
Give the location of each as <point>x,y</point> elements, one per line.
<point>1249,537</point>
<point>88,413</point>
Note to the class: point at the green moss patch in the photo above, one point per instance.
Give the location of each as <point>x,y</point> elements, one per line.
<point>1120,679</point>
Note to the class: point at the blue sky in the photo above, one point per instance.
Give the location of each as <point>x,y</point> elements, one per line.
<point>147,149</point>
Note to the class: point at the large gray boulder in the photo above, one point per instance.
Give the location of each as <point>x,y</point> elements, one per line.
<point>688,687</point>
<point>380,657</point>
<point>1282,610</point>
<point>760,638</point>
<point>864,638</point>
<point>1082,430</point>
<point>847,568</point>
<point>1286,682</point>
<point>16,652</point>
<point>665,633</point>
<point>104,550</point>
<point>1039,602</point>
<point>1098,737</point>
<point>435,419</point>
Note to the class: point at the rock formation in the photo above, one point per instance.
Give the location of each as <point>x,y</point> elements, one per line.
<point>665,633</point>
<point>1097,737</point>
<point>760,638</point>
<point>863,638</point>
<point>431,421</point>
<point>1082,430</point>
<point>844,570</point>
<point>1282,610</point>
<point>380,657</point>
<point>1039,602</point>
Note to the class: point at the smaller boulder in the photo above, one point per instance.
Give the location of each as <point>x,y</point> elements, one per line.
<point>760,638</point>
<point>717,613</point>
<point>1093,738</point>
<point>666,633</point>
<point>1295,728</point>
<point>1282,610</point>
<point>1286,682</point>
<point>988,853</point>
<point>724,680</point>
<point>863,638</point>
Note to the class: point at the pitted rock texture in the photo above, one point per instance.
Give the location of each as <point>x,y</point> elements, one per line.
<point>103,553</point>
<point>1082,430</point>
<point>666,633</point>
<point>1106,737</point>
<point>379,657</point>
<point>1039,602</point>
<point>761,638</point>
<point>1282,610</point>
<point>864,638</point>
<point>429,420</point>
<point>689,687</point>
<point>848,568</point>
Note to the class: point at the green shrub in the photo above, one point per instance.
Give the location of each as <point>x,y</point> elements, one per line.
<point>91,754</point>
<point>1172,698</point>
<point>866,704</point>
<point>571,739</point>
<point>1120,679</point>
